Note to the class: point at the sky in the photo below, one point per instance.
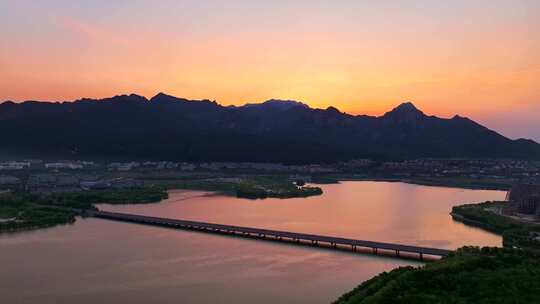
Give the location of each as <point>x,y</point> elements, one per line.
<point>479,59</point>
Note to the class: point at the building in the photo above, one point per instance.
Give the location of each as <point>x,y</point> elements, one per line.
<point>67,183</point>
<point>7,181</point>
<point>525,198</point>
<point>14,165</point>
<point>64,165</point>
<point>126,183</point>
<point>41,183</point>
<point>124,166</point>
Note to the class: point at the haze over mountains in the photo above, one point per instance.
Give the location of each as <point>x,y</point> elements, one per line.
<point>169,128</point>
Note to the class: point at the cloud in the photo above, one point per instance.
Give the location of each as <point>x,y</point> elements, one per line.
<point>91,32</point>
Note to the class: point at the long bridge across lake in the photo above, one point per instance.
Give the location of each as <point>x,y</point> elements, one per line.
<point>275,235</point>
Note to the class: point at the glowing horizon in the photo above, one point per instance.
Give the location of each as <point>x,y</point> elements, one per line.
<point>480,60</point>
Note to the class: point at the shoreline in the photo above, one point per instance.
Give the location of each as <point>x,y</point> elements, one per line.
<point>229,189</point>
<point>421,182</point>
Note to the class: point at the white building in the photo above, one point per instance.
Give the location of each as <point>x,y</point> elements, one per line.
<point>64,165</point>
<point>13,165</point>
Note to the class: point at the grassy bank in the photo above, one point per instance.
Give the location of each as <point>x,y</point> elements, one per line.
<point>21,211</point>
<point>471,275</point>
<point>87,199</point>
<point>484,215</point>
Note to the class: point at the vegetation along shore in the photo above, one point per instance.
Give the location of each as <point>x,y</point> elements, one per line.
<point>23,211</point>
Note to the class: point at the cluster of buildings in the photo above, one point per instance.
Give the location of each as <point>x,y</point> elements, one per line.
<point>270,167</point>
<point>63,183</point>
<point>494,168</point>
<point>14,165</point>
<point>51,183</point>
<point>524,198</point>
<point>128,166</point>
<point>217,166</point>
<point>39,164</point>
<point>432,167</point>
<point>9,182</point>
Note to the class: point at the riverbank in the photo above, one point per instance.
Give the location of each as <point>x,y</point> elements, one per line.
<point>244,186</point>
<point>515,266</point>
<point>471,275</point>
<point>281,186</point>
<point>22,211</point>
<point>488,216</point>
<point>451,182</point>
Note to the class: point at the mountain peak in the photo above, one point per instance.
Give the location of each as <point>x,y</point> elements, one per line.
<point>284,103</point>
<point>162,97</point>
<point>7,103</point>
<point>407,106</point>
<point>405,112</point>
<point>124,98</point>
<point>333,110</point>
<point>204,131</point>
<point>278,104</point>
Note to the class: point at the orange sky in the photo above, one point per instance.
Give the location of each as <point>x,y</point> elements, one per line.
<point>480,60</point>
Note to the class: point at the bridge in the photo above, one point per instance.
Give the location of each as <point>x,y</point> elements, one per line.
<point>399,250</point>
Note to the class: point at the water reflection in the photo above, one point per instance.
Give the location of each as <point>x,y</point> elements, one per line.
<point>112,262</point>
<point>389,212</point>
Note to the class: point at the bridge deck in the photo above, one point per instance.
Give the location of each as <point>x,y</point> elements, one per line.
<point>280,235</point>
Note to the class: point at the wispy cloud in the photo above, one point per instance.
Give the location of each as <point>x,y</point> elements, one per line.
<point>91,32</point>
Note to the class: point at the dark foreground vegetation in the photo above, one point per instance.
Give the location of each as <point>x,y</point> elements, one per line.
<point>471,275</point>
<point>19,211</point>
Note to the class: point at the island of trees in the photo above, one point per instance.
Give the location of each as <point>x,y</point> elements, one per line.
<point>21,211</point>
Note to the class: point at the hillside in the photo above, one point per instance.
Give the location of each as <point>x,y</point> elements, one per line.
<point>490,275</point>
<point>166,127</point>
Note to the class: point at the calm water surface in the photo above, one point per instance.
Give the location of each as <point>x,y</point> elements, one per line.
<point>98,261</point>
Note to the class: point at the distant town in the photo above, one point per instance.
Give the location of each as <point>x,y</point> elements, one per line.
<point>39,176</point>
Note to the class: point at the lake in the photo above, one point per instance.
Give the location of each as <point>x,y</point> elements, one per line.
<point>99,261</point>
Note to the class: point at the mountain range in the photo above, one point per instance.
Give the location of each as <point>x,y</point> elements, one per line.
<point>165,127</point>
